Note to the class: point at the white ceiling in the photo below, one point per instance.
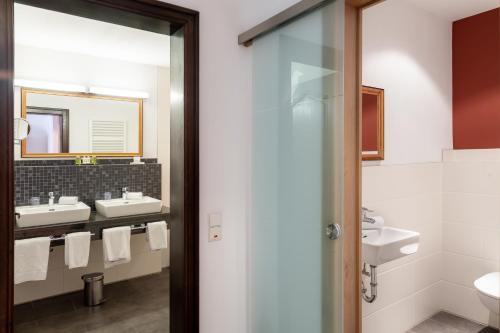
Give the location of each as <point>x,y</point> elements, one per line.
<point>62,32</point>
<point>453,10</point>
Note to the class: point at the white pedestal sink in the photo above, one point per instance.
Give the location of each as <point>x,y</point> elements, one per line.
<point>387,244</point>
<point>31,216</point>
<point>126,207</point>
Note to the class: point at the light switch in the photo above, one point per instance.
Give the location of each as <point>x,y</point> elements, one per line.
<point>214,227</point>
<point>215,220</point>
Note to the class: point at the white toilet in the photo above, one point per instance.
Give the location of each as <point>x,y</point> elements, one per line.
<point>488,288</point>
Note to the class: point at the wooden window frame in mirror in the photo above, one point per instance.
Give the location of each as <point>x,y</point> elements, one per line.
<point>379,155</point>
<point>24,114</point>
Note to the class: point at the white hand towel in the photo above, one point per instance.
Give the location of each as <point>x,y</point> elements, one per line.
<point>157,235</point>
<point>31,258</point>
<point>134,195</point>
<point>379,223</point>
<point>68,200</point>
<point>76,249</point>
<point>116,246</point>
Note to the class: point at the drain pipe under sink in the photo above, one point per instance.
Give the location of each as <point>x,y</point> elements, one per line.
<point>373,283</point>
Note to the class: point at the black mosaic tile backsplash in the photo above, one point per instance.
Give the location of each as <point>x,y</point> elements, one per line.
<point>88,182</point>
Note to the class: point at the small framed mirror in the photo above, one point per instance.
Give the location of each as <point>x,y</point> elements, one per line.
<point>372,124</point>
<point>21,130</point>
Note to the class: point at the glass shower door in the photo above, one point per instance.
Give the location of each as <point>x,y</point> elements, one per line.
<point>295,256</point>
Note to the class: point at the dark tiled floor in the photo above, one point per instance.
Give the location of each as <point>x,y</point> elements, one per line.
<point>444,322</point>
<point>133,306</point>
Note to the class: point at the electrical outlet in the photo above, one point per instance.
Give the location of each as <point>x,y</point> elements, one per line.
<point>215,234</point>
<point>214,227</point>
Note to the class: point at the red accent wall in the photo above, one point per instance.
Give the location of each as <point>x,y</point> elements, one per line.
<point>370,123</point>
<point>476,81</point>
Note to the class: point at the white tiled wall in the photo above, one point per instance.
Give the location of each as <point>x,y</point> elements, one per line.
<point>409,197</point>
<point>61,280</point>
<point>471,228</point>
<point>455,205</point>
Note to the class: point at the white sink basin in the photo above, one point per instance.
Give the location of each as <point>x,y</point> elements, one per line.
<point>387,244</point>
<point>31,216</point>
<point>125,207</point>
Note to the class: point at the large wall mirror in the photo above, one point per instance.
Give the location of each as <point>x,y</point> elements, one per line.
<point>70,124</point>
<point>373,124</point>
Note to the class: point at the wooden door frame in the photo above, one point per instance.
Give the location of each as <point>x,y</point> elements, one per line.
<point>184,277</point>
<point>353,160</point>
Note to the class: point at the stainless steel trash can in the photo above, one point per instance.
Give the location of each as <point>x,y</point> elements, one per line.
<point>94,289</point>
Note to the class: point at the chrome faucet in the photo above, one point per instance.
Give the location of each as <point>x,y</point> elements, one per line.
<point>124,193</point>
<point>51,198</point>
<point>365,217</point>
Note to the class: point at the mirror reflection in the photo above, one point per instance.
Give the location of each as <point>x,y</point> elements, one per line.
<point>373,123</point>
<point>80,123</point>
<point>21,129</point>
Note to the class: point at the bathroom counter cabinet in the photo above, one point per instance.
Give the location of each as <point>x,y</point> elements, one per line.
<point>95,224</point>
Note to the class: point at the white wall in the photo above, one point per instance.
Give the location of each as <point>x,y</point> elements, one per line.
<point>163,87</point>
<point>164,142</point>
<point>407,52</point>
<point>257,11</point>
<point>57,66</point>
<point>471,228</point>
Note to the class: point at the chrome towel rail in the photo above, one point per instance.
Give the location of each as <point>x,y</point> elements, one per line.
<point>139,227</point>
<point>63,237</point>
<point>142,226</point>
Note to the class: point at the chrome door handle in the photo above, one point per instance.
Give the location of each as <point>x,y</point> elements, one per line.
<point>333,231</point>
